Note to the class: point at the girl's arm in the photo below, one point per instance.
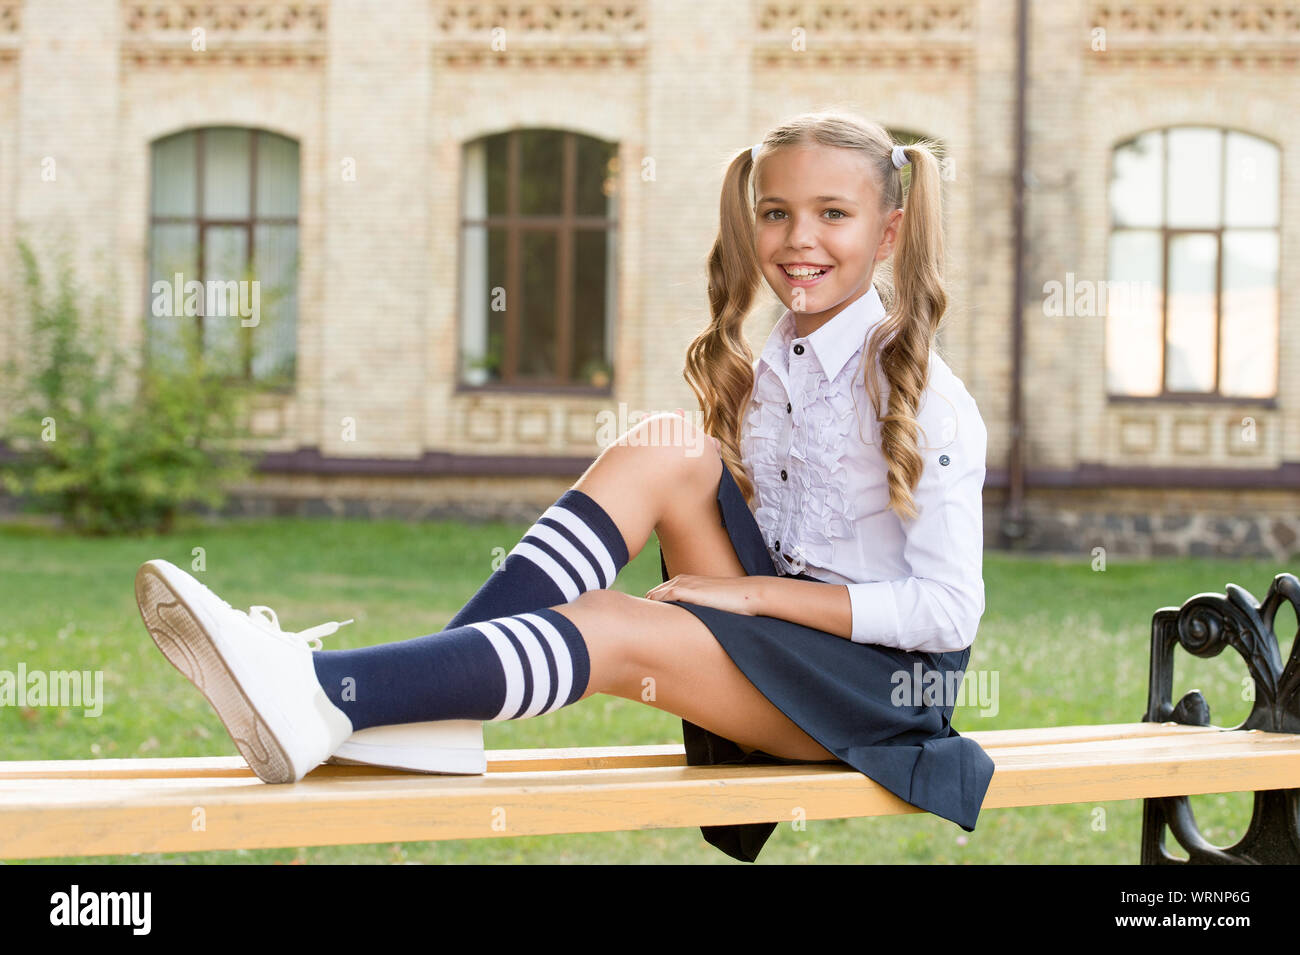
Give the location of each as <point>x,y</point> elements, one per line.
<point>809,602</point>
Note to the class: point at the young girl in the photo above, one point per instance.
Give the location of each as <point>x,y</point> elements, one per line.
<point>821,561</point>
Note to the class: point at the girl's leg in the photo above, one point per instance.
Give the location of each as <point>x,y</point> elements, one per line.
<point>656,652</point>
<point>663,477</point>
<point>661,474</point>
<point>533,663</point>
<point>664,655</point>
<point>602,641</point>
<point>634,643</point>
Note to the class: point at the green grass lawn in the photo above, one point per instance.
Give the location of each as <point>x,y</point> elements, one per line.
<point>1068,644</point>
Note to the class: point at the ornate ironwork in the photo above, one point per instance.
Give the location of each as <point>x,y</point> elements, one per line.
<point>1204,625</point>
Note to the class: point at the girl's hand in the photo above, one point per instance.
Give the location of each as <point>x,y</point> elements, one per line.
<point>736,594</point>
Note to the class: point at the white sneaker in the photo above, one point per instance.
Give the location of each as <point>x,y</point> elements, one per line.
<point>439,746</point>
<point>265,691</point>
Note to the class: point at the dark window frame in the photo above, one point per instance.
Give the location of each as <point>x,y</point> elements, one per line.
<point>204,223</point>
<point>1215,396</point>
<point>564,226</point>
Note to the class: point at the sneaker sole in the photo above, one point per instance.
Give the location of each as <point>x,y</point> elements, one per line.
<point>175,628</point>
<point>448,746</point>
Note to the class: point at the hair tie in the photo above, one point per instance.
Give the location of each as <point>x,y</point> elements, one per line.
<point>753,151</point>
<point>900,157</point>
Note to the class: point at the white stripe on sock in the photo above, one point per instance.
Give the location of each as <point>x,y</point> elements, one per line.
<point>563,660</point>
<point>564,547</point>
<point>537,663</point>
<point>559,576</point>
<point>585,534</point>
<point>510,663</point>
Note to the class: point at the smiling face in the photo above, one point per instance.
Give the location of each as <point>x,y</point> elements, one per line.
<point>818,209</point>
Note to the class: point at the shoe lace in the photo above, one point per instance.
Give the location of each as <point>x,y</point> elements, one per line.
<point>268,621</point>
<point>264,618</point>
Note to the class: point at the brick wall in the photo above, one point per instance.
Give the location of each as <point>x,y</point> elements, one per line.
<point>391,91</point>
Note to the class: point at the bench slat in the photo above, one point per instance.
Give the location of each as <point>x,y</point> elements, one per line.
<point>499,760</point>
<point>530,760</point>
<point>41,816</point>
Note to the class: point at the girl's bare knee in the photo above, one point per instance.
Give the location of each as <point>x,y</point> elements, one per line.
<point>684,446</point>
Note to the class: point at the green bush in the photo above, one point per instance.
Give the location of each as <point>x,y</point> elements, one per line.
<point>105,456</point>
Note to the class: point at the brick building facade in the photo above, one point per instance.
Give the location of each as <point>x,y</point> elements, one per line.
<point>387,130</point>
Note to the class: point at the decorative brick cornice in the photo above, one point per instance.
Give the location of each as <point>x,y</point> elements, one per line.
<point>871,35</point>
<point>572,34</point>
<point>1194,35</point>
<point>267,33</point>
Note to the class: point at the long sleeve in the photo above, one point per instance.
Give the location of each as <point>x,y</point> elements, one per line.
<point>938,608</point>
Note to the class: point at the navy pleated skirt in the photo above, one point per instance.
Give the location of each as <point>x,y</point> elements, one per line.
<point>839,693</point>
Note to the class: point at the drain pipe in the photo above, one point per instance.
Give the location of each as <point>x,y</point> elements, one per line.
<point>1013,517</point>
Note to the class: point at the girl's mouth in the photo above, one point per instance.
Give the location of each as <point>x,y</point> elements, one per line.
<point>805,281</point>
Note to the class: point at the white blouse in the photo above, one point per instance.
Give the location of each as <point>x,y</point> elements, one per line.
<point>810,441</point>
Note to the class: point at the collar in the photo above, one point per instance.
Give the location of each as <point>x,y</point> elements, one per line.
<point>834,343</point>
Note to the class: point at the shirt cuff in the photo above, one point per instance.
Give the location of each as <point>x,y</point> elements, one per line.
<point>875,613</point>
<point>930,627</point>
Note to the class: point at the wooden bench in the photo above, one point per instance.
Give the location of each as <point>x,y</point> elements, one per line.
<point>118,806</point>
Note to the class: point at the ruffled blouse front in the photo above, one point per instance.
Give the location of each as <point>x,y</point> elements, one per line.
<point>798,461</point>
<point>810,441</point>
<point>798,442</point>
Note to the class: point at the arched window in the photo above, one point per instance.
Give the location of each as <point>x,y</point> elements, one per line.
<point>538,287</point>
<point>1192,298</point>
<point>223,251</point>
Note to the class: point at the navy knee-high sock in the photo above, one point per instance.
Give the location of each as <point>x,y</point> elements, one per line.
<point>500,669</point>
<point>574,546</point>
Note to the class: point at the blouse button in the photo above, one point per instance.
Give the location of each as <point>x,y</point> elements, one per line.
<point>783,474</point>
<point>788,409</point>
<point>943,459</point>
<point>798,349</point>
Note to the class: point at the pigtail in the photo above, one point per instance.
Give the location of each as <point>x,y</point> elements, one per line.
<point>719,361</point>
<point>914,298</point>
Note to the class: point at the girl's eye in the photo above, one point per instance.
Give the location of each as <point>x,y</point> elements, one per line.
<point>841,214</point>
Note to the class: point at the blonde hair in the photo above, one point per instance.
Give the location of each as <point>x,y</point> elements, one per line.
<point>719,362</point>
